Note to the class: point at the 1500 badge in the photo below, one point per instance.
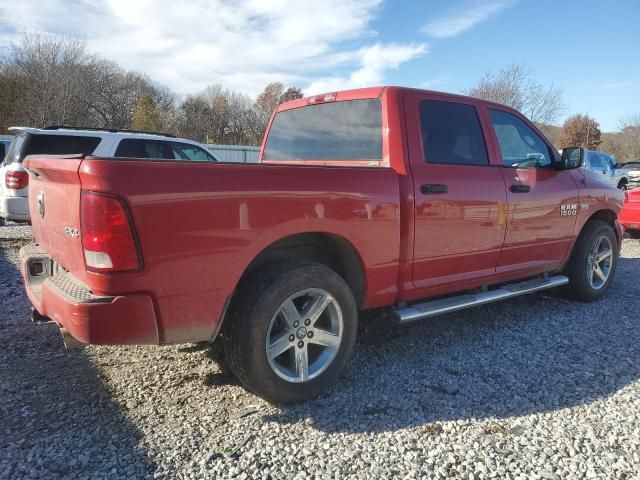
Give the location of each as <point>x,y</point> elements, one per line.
<point>568,209</point>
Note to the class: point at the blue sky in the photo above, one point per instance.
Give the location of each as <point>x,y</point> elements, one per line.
<point>587,48</point>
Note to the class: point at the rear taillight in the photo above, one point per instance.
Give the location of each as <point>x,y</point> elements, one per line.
<point>107,234</point>
<point>16,180</point>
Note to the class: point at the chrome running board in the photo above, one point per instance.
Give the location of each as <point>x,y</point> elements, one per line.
<point>467,300</point>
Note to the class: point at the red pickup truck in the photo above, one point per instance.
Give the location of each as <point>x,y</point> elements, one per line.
<point>417,201</point>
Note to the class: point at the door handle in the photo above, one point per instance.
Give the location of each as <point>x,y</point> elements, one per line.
<point>519,188</point>
<point>428,188</point>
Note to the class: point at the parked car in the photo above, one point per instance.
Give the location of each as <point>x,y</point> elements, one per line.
<point>603,164</point>
<point>416,201</point>
<point>630,216</point>
<point>5,141</point>
<point>67,140</point>
<point>633,170</point>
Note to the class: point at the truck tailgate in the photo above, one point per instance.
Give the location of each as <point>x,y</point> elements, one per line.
<point>54,204</point>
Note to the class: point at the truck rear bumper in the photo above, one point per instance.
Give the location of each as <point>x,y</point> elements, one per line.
<point>58,295</point>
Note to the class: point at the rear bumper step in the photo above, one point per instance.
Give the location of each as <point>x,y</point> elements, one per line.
<point>58,296</point>
<point>460,302</point>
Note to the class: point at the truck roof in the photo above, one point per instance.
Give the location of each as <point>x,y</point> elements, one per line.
<point>371,92</point>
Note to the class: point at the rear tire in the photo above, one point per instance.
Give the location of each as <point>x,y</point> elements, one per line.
<point>593,262</point>
<point>290,331</point>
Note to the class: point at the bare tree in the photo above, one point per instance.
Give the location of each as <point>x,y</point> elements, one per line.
<point>47,80</point>
<point>515,87</point>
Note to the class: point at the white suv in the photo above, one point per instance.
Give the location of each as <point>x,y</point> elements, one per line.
<point>14,180</point>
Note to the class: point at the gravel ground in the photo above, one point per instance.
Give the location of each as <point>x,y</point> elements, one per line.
<point>536,387</point>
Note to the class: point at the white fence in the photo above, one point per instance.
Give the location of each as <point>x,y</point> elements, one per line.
<point>235,153</point>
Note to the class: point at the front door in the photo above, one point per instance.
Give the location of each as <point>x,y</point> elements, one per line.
<point>460,215</point>
<point>542,202</point>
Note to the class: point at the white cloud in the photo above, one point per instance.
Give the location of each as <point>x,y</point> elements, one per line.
<point>373,62</point>
<point>242,44</point>
<point>465,17</point>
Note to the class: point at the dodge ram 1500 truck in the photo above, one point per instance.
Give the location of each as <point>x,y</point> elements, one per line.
<point>417,201</point>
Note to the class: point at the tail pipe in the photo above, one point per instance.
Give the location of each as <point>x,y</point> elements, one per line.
<point>69,342</point>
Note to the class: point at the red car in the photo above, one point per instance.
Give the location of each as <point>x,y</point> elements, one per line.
<point>417,201</point>
<point>630,216</point>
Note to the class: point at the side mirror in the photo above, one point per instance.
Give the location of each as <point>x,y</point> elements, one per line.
<point>572,157</point>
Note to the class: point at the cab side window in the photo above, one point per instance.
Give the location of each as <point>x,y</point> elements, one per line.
<point>520,146</point>
<point>451,133</point>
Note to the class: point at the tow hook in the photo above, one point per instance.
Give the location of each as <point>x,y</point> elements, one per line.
<point>38,318</point>
<point>70,342</point>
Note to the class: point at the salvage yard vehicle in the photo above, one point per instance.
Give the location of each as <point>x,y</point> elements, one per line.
<point>416,201</point>
<point>612,173</point>
<point>57,140</point>
<point>630,215</point>
<point>634,174</point>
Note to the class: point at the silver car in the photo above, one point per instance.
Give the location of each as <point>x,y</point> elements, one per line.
<point>604,165</point>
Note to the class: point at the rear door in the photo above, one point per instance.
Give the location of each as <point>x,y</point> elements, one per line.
<point>542,202</point>
<point>459,196</point>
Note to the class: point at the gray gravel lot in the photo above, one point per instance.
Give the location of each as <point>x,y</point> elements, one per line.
<point>536,387</point>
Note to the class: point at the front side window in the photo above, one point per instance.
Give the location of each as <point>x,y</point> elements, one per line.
<point>596,160</point>
<point>608,161</point>
<point>186,151</point>
<point>451,134</point>
<point>347,130</point>
<point>521,147</point>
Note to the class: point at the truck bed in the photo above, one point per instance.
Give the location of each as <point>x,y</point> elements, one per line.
<point>199,226</point>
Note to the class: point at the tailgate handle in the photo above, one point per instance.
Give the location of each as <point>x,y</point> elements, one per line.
<point>428,188</point>
<point>520,188</point>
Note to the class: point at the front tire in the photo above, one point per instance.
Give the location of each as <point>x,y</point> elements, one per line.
<point>623,184</point>
<point>291,331</point>
<point>593,262</point>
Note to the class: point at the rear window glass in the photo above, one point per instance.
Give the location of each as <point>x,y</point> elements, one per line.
<point>59,145</point>
<point>348,130</point>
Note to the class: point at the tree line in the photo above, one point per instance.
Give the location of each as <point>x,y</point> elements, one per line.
<point>49,80</point>
<point>52,80</point>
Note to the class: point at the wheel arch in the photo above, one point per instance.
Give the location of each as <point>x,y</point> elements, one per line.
<point>605,215</point>
<point>329,249</point>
